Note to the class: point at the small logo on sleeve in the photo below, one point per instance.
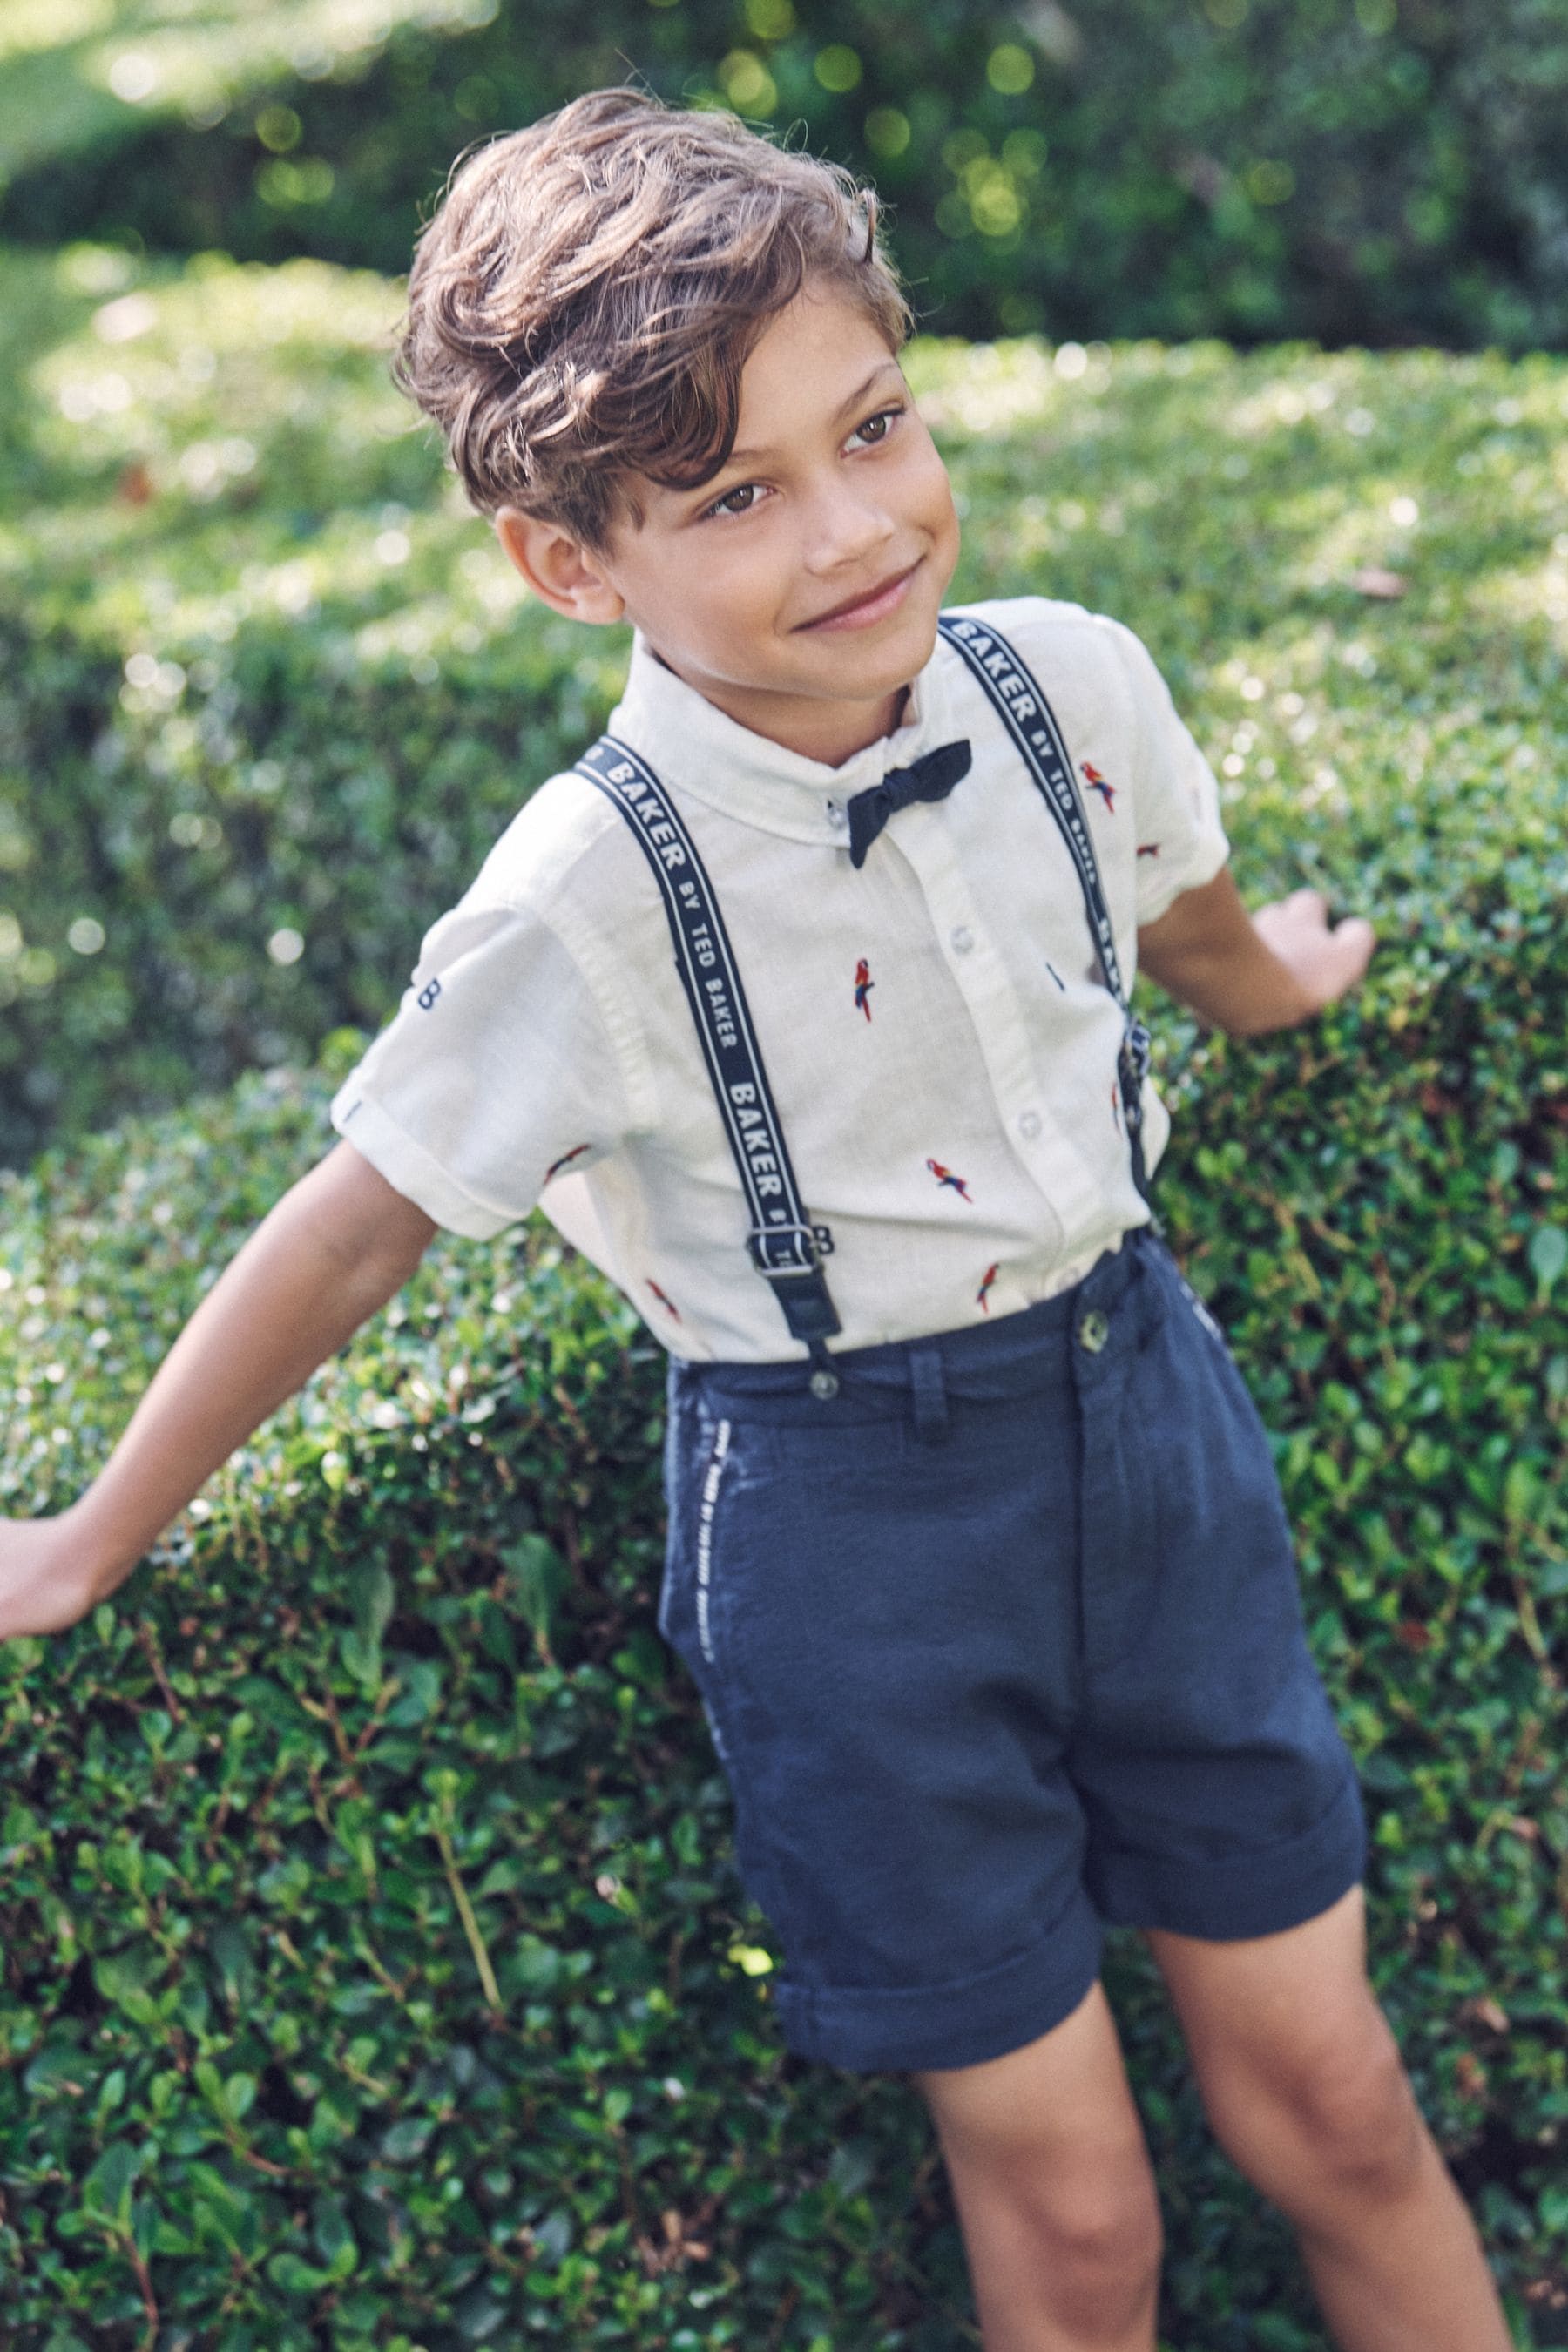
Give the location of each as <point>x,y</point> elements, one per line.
<point>945,1176</point>
<point>864,984</point>
<point>428,995</point>
<point>1097,783</point>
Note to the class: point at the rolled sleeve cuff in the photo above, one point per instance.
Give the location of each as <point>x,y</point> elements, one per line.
<point>1156,895</point>
<point>410,1169</point>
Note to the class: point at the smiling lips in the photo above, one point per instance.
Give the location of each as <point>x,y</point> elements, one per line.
<point>871,605</point>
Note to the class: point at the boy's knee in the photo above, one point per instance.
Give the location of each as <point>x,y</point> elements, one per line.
<point>1339,2116</point>
<point>1110,2233</point>
<point>1094,2216</point>
<point>1359,2120</point>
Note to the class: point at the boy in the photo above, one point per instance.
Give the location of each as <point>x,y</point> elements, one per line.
<point>991,1599</point>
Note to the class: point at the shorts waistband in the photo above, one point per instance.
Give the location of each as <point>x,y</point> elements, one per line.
<point>1016,1355</point>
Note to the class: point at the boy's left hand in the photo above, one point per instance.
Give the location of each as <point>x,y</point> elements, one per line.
<point>1249,973</point>
<point>1327,962</point>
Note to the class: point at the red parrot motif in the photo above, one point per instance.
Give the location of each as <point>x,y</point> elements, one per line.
<point>958,1184</point>
<point>1097,783</point>
<point>981,1298</point>
<point>566,1159</point>
<point>864,984</point>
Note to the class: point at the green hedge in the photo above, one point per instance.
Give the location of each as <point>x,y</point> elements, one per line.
<point>374,1969</point>
<point>1357,171</point>
<point>266,679</point>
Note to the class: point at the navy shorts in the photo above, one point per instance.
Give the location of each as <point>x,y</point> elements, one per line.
<point>1000,1644</point>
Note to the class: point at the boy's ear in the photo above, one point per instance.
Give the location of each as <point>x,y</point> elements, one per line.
<point>562,573</point>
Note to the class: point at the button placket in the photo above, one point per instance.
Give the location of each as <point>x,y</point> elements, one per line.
<point>1052,1165</point>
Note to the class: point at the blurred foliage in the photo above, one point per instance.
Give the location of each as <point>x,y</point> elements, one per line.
<point>1352,171</point>
<point>270,690</point>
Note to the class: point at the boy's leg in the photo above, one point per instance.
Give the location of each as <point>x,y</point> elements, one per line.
<point>1304,2087</point>
<point>1054,2190</point>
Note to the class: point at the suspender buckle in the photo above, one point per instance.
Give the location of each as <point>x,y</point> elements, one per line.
<point>789,1249</point>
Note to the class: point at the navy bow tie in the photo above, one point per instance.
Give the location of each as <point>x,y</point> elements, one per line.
<point>930,777</point>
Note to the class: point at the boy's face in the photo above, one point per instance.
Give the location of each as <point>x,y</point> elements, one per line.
<point>799,589</point>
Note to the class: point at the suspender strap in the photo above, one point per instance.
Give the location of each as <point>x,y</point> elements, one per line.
<point>785,1246</point>
<point>1020,703</point>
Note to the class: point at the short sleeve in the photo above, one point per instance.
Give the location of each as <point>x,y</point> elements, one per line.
<point>1180,841</point>
<point>496,1072</point>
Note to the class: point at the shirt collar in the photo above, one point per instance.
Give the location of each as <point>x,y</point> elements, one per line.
<point>698,749</point>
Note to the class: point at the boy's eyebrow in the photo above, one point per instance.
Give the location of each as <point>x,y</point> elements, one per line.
<point>747,456</point>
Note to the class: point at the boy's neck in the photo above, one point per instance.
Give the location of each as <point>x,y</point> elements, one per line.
<point>828,733</point>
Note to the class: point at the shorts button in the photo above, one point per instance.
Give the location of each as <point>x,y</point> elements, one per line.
<point>823,1386</point>
<point>1093,1332</point>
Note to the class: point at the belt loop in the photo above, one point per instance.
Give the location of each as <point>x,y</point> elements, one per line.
<point>930,1393</point>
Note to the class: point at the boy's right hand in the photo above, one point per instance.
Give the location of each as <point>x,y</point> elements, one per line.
<point>334,1249</point>
<point>46,1579</point>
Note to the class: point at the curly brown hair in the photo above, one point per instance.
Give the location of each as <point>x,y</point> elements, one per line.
<point>584,298</point>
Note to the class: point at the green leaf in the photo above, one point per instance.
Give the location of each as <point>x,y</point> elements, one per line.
<point>58,2066</point>
<point>296,2277</point>
<point>539,1579</point>
<point>1548,1256</point>
<point>373,1596</point>
<point>107,2189</point>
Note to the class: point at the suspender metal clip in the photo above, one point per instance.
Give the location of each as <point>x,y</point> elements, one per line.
<point>789,1249</point>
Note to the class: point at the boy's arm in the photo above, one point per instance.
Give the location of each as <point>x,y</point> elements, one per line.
<point>335,1248</point>
<point>1252,973</point>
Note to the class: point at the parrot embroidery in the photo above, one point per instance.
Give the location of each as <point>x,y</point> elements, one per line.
<point>663,1299</point>
<point>1097,783</point>
<point>566,1159</point>
<point>982,1298</point>
<point>864,984</point>
<point>958,1184</point>
<point>1148,849</point>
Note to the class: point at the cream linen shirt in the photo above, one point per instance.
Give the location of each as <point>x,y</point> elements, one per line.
<point>942,1051</point>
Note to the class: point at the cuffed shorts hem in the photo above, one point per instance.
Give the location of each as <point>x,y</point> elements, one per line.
<point>905,2029</point>
<point>1257,1894</point>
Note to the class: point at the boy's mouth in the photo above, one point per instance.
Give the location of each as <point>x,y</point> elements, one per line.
<point>871,604</point>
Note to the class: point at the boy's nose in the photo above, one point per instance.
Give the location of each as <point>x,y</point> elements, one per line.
<point>845,532</point>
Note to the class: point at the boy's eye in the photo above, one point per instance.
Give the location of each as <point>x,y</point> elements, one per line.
<point>885,419</point>
<point>747,491</point>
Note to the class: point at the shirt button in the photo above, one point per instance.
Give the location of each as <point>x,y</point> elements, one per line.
<point>1093,1332</point>
<point>835,817</point>
<point>1029,1124</point>
<point>961,940</point>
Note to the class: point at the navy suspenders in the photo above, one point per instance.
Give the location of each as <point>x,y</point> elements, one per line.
<point>1029,719</point>
<point>785,1246</point>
